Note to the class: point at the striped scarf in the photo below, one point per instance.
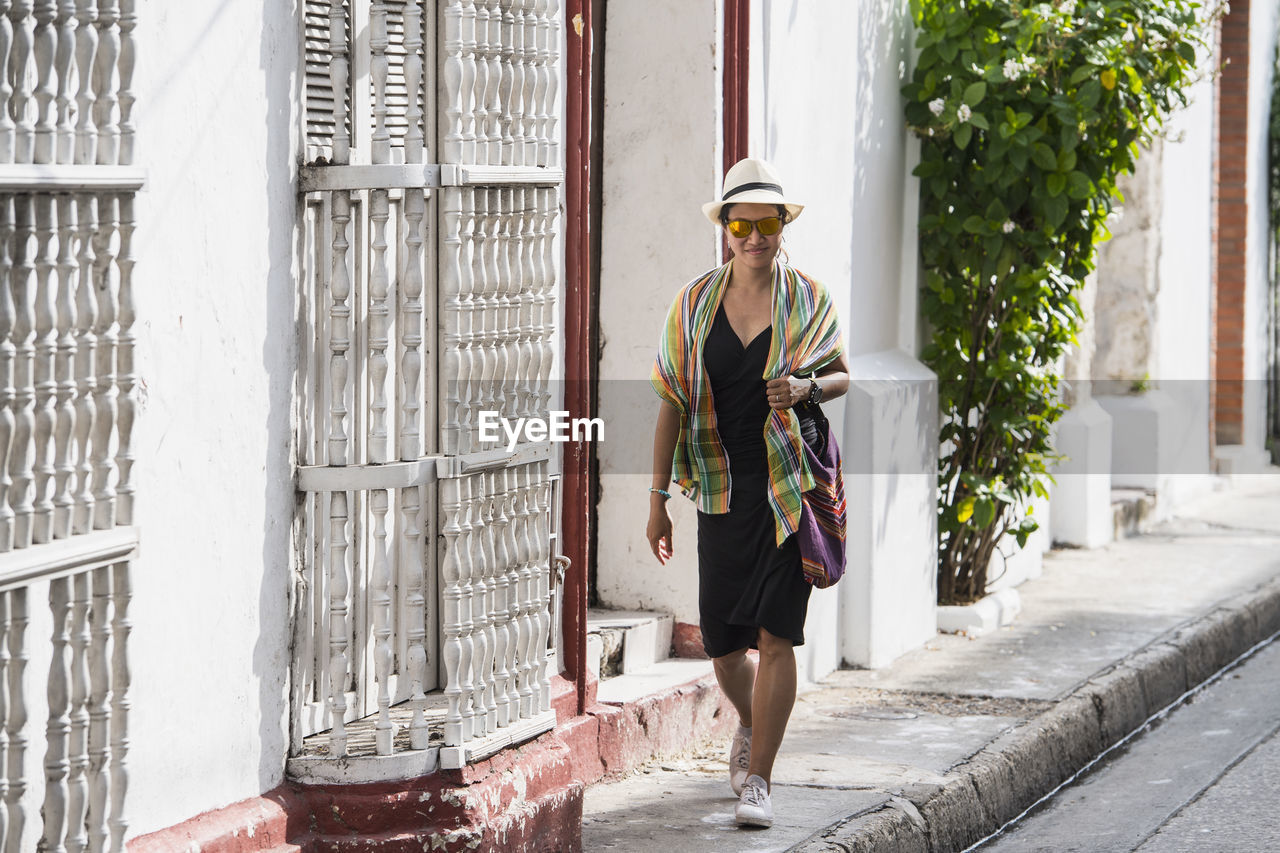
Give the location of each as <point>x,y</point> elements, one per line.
<point>806,337</point>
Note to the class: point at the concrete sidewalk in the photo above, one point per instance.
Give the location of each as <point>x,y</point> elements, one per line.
<point>954,739</point>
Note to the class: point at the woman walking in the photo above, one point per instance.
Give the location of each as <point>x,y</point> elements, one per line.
<point>743,345</point>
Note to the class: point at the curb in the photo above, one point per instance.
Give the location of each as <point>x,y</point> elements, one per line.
<point>1027,762</point>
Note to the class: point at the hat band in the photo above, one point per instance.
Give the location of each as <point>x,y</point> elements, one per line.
<point>754,185</point>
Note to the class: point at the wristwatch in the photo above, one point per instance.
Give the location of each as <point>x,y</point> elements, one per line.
<point>815,391</point>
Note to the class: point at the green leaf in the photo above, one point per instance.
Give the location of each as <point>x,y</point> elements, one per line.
<point>1079,186</point>
<point>1018,157</point>
<point>974,93</point>
<point>1042,155</point>
<point>980,121</point>
<point>962,134</point>
<point>975,224</point>
<point>1056,183</point>
<point>984,512</point>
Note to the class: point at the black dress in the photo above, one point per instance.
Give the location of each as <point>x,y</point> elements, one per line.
<point>745,581</point>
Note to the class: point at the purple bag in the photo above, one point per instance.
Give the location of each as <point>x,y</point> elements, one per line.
<point>822,520</point>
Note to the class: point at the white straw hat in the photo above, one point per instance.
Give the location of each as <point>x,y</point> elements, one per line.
<point>751,181</point>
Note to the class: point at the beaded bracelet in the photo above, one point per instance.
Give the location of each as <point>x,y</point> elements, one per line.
<point>662,492</point>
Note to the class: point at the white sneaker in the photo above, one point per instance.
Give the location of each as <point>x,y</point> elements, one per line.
<point>754,807</point>
<point>739,758</point>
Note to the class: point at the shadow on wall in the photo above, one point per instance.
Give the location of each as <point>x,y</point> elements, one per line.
<point>278,53</point>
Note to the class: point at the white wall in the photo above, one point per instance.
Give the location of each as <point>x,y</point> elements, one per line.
<point>216,118</point>
<point>827,111</point>
<point>662,161</point>
<point>1263,17</point>
<point>1184,302</point>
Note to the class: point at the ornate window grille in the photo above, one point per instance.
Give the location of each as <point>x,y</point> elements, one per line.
<point>428,229</point>
<point>68,389</point>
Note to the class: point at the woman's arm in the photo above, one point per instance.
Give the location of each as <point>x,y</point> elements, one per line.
<point>659,528</point>
<point>789,390</point>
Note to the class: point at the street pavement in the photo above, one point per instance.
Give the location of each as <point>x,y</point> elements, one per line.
<point>943,747</point>
<point>1168,789</point>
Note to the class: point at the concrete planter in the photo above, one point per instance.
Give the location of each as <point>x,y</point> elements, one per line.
<point>983,616</point>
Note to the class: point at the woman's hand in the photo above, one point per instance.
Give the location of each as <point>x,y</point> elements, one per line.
<point>658,530</point>
<point>786,392</point>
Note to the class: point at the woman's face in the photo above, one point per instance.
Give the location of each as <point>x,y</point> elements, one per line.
<point>755,251</point>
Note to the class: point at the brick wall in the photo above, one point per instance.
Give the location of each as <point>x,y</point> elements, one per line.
<point>1230,227</point>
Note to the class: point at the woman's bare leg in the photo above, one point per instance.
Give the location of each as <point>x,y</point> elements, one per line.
<point>775,694</point>
<point>736,673</point>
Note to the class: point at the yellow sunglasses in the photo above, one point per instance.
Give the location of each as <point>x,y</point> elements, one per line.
<point>767,227</point>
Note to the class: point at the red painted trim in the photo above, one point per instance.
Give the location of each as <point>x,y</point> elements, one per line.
<point>579,364</point>
<point>1230,217</point>
<point>735,89</point>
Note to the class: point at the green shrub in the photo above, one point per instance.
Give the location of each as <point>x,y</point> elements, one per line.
<point>1027,114</point>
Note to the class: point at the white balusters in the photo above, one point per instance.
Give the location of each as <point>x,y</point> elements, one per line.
<point>65,26</point>
<point>99,775</point>
<point>469,366</point>
<point>450,570</point>
<point>121,593</point>
<point>542,537</point>
<point>126,99</point>
<point>105,116</point>
<point>493,107</point>
<point>478,152</point>
<point>411,561</point>
<point>78,743</point>
<point>542,77</point>
<point>20,459</point>
<point>454,106</point>
<point>126,369</point>
<point>379,324</point>
<point>471,95</point>
<point>86,58</point>
<point>550,154</point>
<point>44,47</point>
<point>15,723</point>
<point>45,386</point>
<point>451,269</point>
<point>467,626</point>
<point>58,730</point>
<point>8,354</point>
<point>528,106</point>
<point>339,73</point>
<point>481,589</point>
<point>64,371</point>
<point>107,333</point>
<point>339,344</point>
<point>380,592</point>
<point>21,103</point>
<point>86,358</point>
<point>7,126</point>
<point>509,87</point>
<point>498,625</point>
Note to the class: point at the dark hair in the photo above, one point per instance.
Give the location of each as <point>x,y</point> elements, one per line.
<point>724,212</point>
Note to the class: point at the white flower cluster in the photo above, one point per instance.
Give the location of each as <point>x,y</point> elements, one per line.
<point>1068,8</point>
<point>963,113</point>
<point>1008,226</point>
<point>1015,68</point>
<point>937,105</point>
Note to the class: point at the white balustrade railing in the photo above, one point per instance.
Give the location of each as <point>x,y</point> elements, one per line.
<point>67,95</point>
<point>68,401</point>
<point>403,505</point>
<point>78,802</point>
<point>68,381</point>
